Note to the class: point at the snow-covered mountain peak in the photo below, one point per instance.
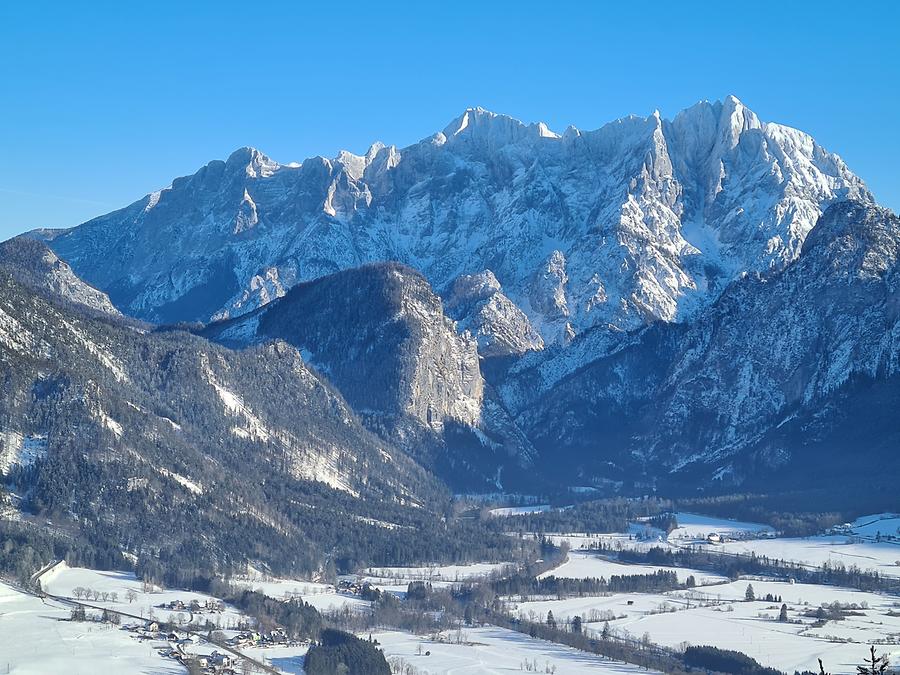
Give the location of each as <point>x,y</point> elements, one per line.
<point>736,118</point>
<point>483,127</point>
<point>545,132</point>
<point>252,161</point>
<point>647,218</point>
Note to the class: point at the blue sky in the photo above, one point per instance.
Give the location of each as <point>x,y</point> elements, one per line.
<point>104,103</point>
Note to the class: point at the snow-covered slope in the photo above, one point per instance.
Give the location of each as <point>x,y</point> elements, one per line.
<point>379,334</point>
<point>794,373</point>
<point>183,441</point>
<point>642,219</point>
<point>32,263</point>
<point>479,305</point>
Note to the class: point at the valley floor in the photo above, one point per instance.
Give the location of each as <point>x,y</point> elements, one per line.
<point>828,622</point>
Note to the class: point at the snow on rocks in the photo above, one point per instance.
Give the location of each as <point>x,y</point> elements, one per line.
<point>597,215</point>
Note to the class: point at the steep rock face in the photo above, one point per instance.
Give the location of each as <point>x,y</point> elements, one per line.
<point>640,220</point>
<point>479,305</point>
<point>33,264</point>
<point>379,334</point>
<point>752,385</point>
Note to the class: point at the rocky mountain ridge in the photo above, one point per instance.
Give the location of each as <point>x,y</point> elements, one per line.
<point>654,302</point>
<point>724,396</point>
<point>640,220</point>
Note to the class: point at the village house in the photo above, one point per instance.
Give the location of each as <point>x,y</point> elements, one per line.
<point>217,659</point>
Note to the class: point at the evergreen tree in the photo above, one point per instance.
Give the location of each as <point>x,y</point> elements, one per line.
<point>874,665</point>
<point>749,594</point>
<point>782,616</point>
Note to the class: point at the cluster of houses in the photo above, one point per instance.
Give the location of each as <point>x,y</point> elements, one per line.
<point>178,642</point>
<point>216,663</point>
<point>723,538</point>
<point>351,586</point>
<point>195,606</point>
<point>152,631</point>
<point>252,638</point>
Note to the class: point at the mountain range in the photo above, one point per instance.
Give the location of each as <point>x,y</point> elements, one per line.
<point>640,220</point>
<point>703,303</point>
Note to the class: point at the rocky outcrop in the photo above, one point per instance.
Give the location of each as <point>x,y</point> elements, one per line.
<point>34,264</point>
<point>380,335</point>
<point>479,305</point>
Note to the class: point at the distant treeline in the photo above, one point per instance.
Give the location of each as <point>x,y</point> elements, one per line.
<point>602,515</point>
<point>524,586</point>
<point>801,513</point>
<point>734,565</point>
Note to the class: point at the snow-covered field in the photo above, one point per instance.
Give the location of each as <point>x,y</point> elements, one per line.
<point>37,637</point>
<point>586,565</point>
<point>719,615</point>
<point>491,651</point>
<point>594,609</point>
<point>323,597</point>
<point>694,526</point>
<point>520,510</point>
<point>484,651</point>
<point>639,537</point>
<point>146,603</point>
<point>286,659</point>
<point>447,573</point>
<point>880,523</point>
<point>739,626</point>
<point>881,557</point>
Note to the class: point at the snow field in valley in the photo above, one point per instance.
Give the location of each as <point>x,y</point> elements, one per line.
<point>324,597</point>
<point>37,638</point>
<point>490,651</point>
<point>63,581</point>
<point>868,556</point>
<point>485,650</point>
<point>695,526</point>
<point>590,565</point>
<point>719,615</point>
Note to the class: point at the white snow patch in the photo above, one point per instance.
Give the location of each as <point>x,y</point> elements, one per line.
<point>694,526</point>
<point>17,449</point>
<point>185,482</point>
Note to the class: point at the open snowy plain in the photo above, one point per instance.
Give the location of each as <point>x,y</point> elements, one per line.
<point>36,637</point>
